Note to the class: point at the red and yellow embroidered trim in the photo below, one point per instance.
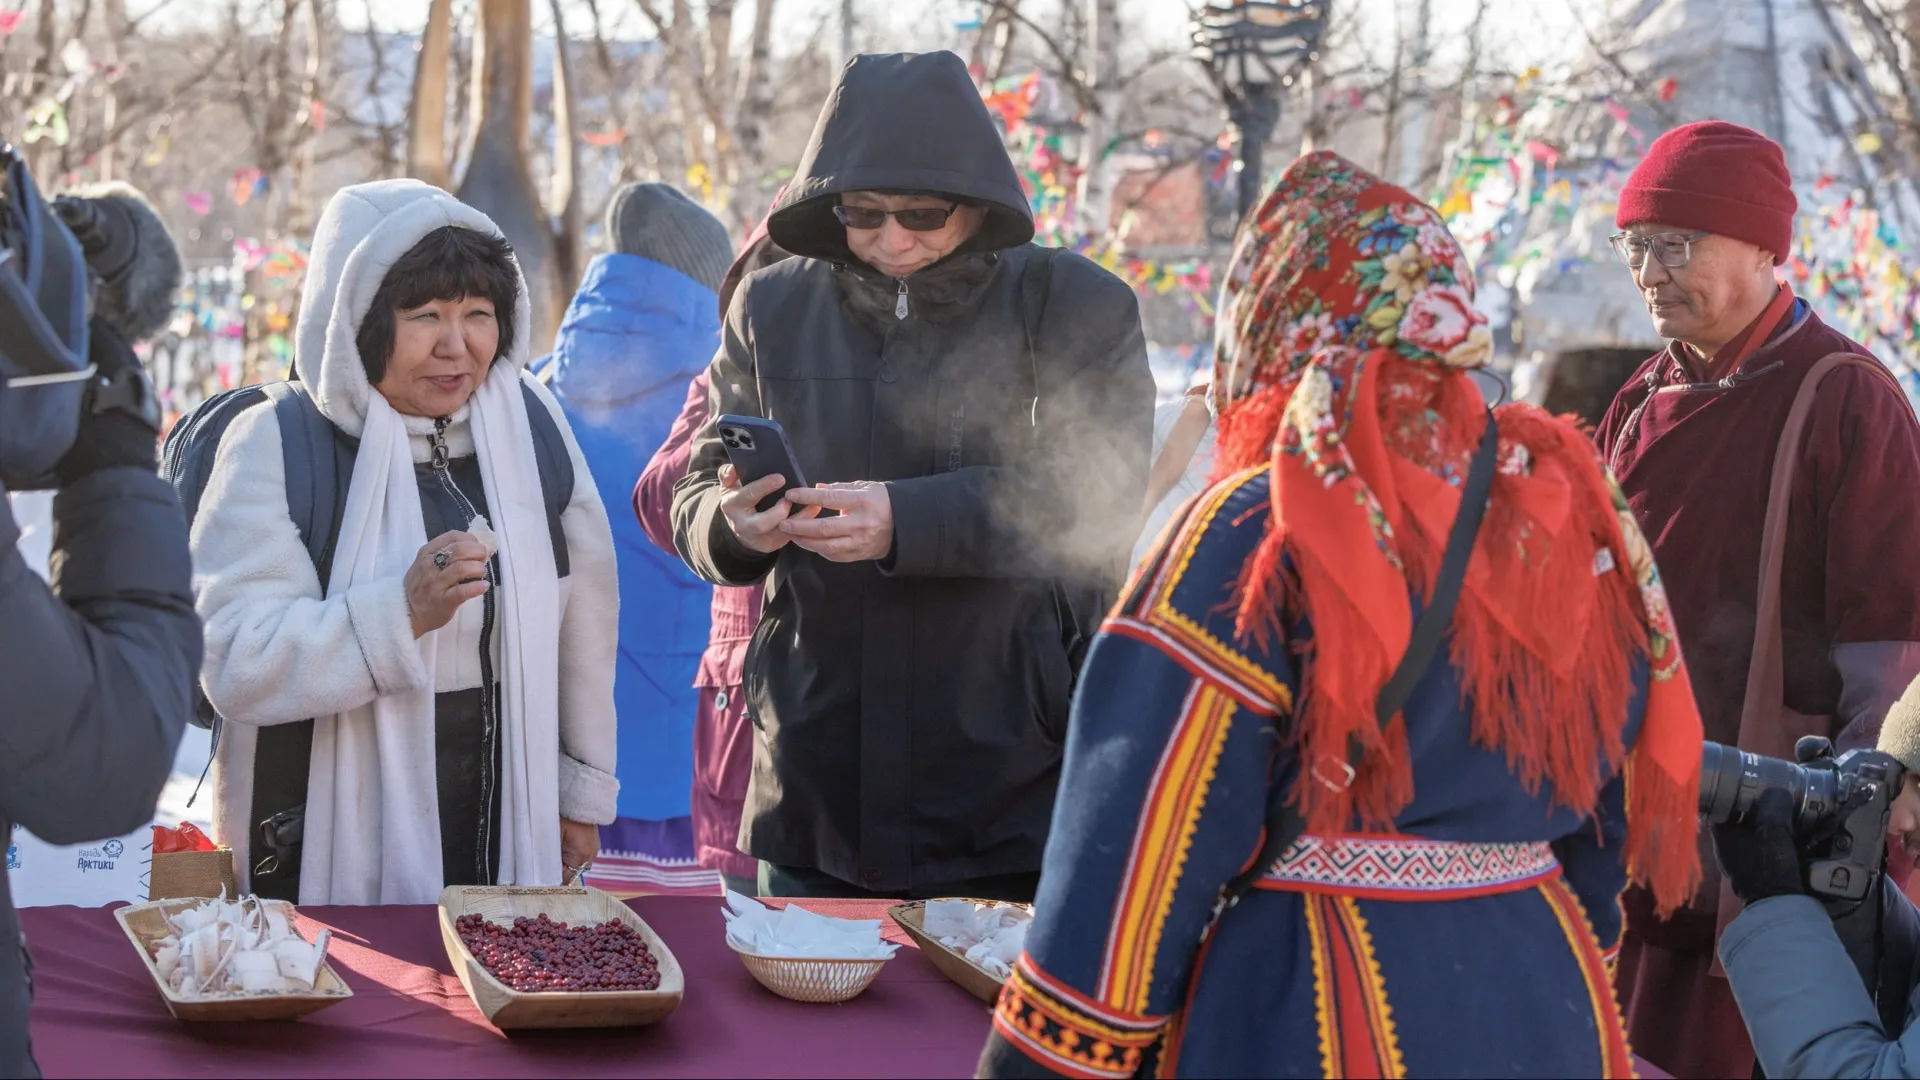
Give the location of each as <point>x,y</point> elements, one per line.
<point>1204,663</point>
<point>1392,867</point>
<point>1616,1058</point>
<point>1186,538</point>
<point>1357,1038</point>
<point>1152,617</point>
<point>1065,1031</point>
<point>1168,817</point>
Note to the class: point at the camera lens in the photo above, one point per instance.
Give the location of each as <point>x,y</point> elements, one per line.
<point>1731,781</point>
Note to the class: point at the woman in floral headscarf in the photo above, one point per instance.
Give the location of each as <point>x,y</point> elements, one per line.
<point>1452,906</point>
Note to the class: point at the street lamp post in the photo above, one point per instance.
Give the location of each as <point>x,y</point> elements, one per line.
<point>1252,49</point>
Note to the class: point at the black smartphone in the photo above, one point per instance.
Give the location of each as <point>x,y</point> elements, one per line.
<point>759,448</point>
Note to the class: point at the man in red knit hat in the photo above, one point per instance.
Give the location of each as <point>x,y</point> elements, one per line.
<point>1692,438</point>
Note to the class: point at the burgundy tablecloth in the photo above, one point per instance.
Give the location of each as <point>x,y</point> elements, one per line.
<point>96,1011</point>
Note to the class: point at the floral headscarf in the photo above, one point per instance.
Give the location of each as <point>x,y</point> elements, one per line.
<point>1346,328</point>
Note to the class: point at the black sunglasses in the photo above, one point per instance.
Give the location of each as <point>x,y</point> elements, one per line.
<point>918,219</point>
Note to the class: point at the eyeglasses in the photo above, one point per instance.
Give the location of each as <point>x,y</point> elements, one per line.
<point>918,219</point>
<point>1673,250</point>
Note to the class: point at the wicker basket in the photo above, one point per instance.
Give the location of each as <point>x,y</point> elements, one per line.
<point>177,874</point>
<point>823,982</point>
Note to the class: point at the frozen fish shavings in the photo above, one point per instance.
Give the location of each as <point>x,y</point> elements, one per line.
<point>223,948</point>
<point>989,936</point>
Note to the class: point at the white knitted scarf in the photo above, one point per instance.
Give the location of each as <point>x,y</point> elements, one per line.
<point>373,821</point>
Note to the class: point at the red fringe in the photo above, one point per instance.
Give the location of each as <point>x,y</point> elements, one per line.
<point>1245,433</point>
<point>1338,705</point>
<point>1663,851</point>
<point>1565,720</point>
<point>1543,645</point>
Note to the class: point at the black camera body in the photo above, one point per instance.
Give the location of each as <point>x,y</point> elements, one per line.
<point>1841,808</point>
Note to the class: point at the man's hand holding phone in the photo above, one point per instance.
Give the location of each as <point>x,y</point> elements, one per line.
<point>861,531</point>
<point>757,530</point>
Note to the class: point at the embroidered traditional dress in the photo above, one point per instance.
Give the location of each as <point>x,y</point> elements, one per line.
<point>1450,910</point>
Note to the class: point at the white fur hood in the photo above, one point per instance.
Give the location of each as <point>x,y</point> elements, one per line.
<point>364,231</point>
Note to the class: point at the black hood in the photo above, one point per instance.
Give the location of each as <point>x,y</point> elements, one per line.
<point>901,122</point>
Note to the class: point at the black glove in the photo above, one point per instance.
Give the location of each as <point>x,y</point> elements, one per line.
<point>120,425</point>
<point>1759,856</point>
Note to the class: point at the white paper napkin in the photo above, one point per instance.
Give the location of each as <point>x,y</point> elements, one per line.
<point>796,932</point>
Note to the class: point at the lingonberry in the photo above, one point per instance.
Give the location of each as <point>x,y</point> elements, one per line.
<point>538,954</point>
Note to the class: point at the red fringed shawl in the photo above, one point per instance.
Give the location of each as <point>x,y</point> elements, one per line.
<point>1347,331</point>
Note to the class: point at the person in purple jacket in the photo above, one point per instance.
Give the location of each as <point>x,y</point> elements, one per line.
<point>722,737</point>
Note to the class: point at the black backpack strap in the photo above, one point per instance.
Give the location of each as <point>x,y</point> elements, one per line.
<point>309,451</point>
<point>318,460</point>
<point>557,478</point>
<point>1284,823</point>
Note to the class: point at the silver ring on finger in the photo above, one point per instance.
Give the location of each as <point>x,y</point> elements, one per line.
<point>442,558</point>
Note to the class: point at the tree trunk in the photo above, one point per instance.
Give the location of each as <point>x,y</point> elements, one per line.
<point>43,157</point>
<point>1395,91</point>
<point>1412,140</point>
<point>683,61</point>
<point>427,130</point>
<point>1095,201</point>
<point>718,94</point>
<point>983,37</point>
<point>307,124</point>
<point>756,102</point>
<point>846,33</point>
<point>116,17</point>
<point>565,197</point>
<point>1003,42</point>
<point>497,182</point>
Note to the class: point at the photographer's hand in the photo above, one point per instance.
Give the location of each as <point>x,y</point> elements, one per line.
<point>115,436</point>
<point>1759,855</point>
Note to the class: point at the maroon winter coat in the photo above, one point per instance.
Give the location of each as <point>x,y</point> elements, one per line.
<point>722,736</point>
<point>1695,461</point>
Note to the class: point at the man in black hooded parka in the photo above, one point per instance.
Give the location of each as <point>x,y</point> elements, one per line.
<point>976,413</point>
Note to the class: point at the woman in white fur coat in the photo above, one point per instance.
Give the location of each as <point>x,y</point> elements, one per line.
<point>461,698</point>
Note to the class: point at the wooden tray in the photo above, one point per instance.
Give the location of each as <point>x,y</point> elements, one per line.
<point>971,977</point>
<point>510,1009</point>
<point>145,925</point>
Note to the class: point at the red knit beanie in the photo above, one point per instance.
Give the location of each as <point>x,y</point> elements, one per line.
<point>1715,176</point>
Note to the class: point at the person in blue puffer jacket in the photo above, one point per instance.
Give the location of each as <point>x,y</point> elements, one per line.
<point>644,323</point>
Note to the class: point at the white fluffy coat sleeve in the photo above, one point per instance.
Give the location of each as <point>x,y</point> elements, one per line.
<point>276,651</point>
<point>589,645</point>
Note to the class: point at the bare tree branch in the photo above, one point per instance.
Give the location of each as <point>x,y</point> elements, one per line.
<point>1631,84</point>
<point>1065,63</point>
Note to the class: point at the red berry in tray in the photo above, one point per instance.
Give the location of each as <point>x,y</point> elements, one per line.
<point>538,954</point>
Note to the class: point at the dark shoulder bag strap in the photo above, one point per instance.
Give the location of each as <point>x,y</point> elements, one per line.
<point>557,478</point>
<point>1284,823</point>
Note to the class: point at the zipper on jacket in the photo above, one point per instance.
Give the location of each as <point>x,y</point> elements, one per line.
<point>900,301</point>
<point>489,721</point>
